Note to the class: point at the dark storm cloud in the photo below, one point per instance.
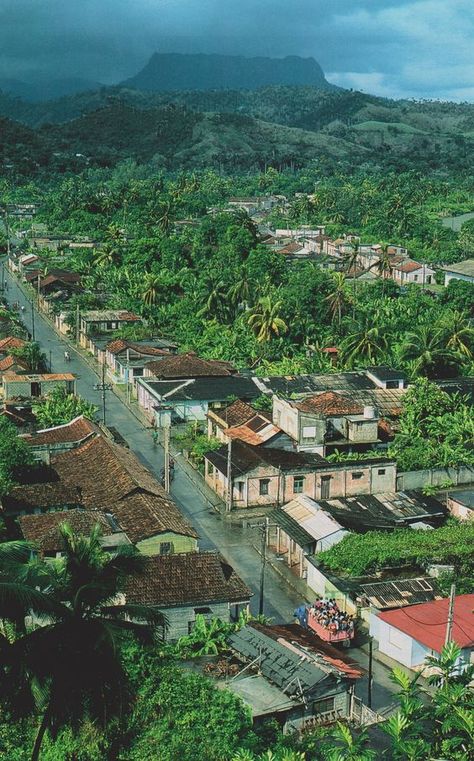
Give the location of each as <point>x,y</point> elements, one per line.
<point>392,47</point>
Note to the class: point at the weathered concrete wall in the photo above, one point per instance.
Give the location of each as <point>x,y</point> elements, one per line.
<point>417,479</point>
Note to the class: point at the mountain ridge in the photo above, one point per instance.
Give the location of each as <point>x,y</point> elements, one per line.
<point>177,71</point>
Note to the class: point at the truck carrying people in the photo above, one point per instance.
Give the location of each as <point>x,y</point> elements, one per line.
<point>327,620</point>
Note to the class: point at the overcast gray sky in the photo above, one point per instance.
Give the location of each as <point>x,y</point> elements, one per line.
<point>420,48</point>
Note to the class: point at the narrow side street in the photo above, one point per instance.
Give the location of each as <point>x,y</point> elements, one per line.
<point>235,543</point>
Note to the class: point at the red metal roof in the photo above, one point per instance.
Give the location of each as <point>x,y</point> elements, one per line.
<point>427,622</point>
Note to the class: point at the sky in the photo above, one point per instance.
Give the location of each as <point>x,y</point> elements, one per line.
<point>394,48</point>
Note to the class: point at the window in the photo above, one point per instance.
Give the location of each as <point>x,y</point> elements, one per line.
<point>240,489</point>
<point>206,612</point>
<point>356,476</point>
<point>416,278</point>
<point>298,484</point>
<point>396,637</point>
<point>381,471</point>
<point>166,548</point>
<point>323,706</point>
<point>264,482</point>
<point>309,431</point>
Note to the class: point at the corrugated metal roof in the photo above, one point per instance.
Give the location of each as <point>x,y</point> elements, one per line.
<point>401,592</point>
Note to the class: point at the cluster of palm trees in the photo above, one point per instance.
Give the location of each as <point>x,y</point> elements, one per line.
<point>62,626</point>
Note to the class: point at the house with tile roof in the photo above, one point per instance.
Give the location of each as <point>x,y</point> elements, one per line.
<point>267,477</point>
<point>409,635</point>
<point>187,585</point>
<point>240,420</point>
<point>48,442</point>
<point>410,271</point>
<point>127,359</point>
<point>113,480</point>
<point>43,529</point>
<point>327,421</point>
<point>187,365</point>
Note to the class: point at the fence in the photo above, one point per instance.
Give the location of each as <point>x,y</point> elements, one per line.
<point>417,479</point>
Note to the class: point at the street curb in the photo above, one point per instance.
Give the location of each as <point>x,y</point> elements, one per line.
<point>279,572</point>
<point>197,480</point>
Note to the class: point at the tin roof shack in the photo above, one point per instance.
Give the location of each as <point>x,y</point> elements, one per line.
<point>29,386</point>
<point>263,476</point>
<point>373,597</point>
<point>284,679</point>
<point>410,635</point>
<point>304,526</point>
<point>187,585</point>
<point>97,322</point>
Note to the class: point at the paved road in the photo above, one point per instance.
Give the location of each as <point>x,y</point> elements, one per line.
<point>455,223</point>
<point>233,542</point>
<point>236,544</point>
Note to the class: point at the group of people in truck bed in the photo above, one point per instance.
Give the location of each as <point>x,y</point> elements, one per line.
<point>328,614</point>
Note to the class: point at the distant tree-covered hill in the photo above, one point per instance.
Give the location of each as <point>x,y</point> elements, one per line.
<point>174,71</point>
<point>238,129</point>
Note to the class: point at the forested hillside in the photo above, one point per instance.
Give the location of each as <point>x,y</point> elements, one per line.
<point>239,130</point>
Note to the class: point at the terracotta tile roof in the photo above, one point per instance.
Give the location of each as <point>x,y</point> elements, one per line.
<point>189,365</point>
<point>145,515</point>
<point>234,414</point>
<point>191,578</point>
<point>8,362</point>
<point>290,248</point>
<point>113,480</point>
<point>42,495</point>
<point>256,431</point>
<point>408,267</point>
<point>120,344</point>
<point>77,430</point>
<point>17,414</point>
<point>329,403</point>
<point>11,342</point>
<point>42,377</point>
<point>43,529</point>
<point>426,622</point>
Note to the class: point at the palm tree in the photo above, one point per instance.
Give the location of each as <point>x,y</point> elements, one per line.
<point>240,293</point>
<point>427,350</point>
<point>151,289</point>
<point>458,333</point>
<point>365,345</point>
<point>111,251</point>
<point>33,356</point>
<point>166,213</point>
<point>69,666</point>
<point>265,320</point>
<point>216,304</point>
<point>18,596</point>
<point>337,299</point>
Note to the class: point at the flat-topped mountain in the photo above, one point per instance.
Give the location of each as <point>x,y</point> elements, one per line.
<point>174,71</point>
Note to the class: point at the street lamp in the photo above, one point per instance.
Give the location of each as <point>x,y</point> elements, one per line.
<point>103,387</point>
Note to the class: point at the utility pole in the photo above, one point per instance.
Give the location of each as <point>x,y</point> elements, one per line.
<point>50,361</point>
<point>369,675</point>
<point>229,477</point>
<point>449,626</point>
<point>128,377</point>
<point>262,569</point>
<point>77,324</point>
<point>103,387</point>
<point>32,320</point>
<point>166,444</point>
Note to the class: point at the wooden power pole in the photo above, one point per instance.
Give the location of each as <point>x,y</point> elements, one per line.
<point>166,445</point>
<point>229,477</point>
<point>449,625</point>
